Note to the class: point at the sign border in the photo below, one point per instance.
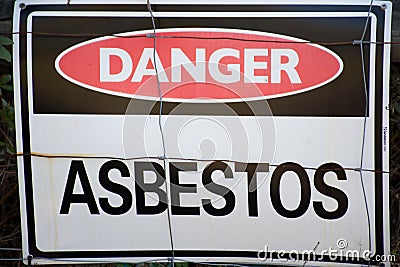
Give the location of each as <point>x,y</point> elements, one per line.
<point>23,136</point>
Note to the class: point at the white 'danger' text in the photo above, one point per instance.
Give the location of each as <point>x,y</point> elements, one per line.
<point>278,61</point>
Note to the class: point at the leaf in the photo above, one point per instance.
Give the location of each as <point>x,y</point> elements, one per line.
<point>10,149</point>
<point>397,107</point>
<point>5,54</point>
<point>7,87</point>
<point>5,41</point>
<point>5,79</point>
<point>4,102</point>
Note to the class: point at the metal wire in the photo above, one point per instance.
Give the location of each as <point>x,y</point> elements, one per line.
<point>367,21</point>
<point>366,95</point>
<point>42,155</point>
<point>109,260</point>
<point>13,259</point>
<point>363,148</point>
<point>83,35</point>
<point>162,133</point>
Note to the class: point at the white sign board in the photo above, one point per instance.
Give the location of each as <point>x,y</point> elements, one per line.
<point>268,145</point>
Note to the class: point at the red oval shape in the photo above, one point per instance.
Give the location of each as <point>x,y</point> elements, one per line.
<point>199,64</point>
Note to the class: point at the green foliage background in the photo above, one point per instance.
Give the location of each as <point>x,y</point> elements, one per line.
<point>10,235</point>
<point>394,199</point>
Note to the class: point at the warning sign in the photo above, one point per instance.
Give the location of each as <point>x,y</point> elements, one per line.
<point>222,132</point>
